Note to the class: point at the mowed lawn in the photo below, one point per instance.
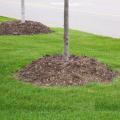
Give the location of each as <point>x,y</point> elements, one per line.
<point>23,101</point>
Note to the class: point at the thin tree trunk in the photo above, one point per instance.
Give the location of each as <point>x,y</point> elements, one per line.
<point>22,11</point>
<point>66,30</point>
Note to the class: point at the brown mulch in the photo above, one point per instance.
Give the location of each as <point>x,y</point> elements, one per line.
<point>18,28</point>
<point>53,71</point>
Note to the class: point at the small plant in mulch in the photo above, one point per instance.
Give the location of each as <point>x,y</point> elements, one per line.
<point>54,71</point>
<point>19,28</point>
<point>67,70</point>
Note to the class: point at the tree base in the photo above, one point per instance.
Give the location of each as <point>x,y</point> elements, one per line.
<point>19,28</point>
<point>53,71</point>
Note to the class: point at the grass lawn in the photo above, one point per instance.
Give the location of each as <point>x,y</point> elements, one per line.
<point>4,19</point>
<point>22,101</point>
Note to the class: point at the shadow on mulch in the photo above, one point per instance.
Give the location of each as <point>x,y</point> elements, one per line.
<point>27,28</point>
<point>53,71</point>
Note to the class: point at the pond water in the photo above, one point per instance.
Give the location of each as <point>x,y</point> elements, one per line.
<point>94,16</point>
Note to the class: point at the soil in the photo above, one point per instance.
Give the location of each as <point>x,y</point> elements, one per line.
<point>53,71</point>
<point>18,28</point>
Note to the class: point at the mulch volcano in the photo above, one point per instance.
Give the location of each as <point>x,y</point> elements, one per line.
<point>18,28</point>
<point>53,71</point>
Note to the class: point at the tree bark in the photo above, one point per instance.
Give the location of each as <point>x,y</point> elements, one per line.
<point>66,30</point>
<point>23,11</point>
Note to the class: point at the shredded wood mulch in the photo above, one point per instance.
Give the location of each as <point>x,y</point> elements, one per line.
<point>53,71</point>
<point>18,28</point>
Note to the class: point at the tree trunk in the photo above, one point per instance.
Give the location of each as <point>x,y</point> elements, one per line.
<point>23,11</point>
<point>66,30</point>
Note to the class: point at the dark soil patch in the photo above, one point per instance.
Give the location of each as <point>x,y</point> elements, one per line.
<point>18,28</point>
<point>52,71</point>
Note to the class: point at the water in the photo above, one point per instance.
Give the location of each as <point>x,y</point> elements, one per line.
<point>94,16</point>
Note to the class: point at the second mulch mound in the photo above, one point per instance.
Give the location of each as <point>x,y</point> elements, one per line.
<point>18,28</point>
<point>53,71</point>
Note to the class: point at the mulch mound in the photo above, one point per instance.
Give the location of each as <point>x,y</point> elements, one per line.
<point>53,71</point>
<point>18,28</point>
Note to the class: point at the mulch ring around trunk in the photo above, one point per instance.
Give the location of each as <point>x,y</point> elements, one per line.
<point>18,28</point>
<point>53,71</point>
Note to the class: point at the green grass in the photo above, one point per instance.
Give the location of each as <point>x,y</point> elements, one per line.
<point>4,19</point>
<point>22,101</point>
